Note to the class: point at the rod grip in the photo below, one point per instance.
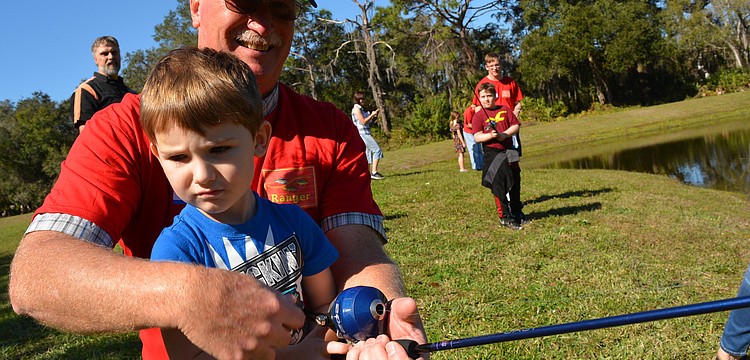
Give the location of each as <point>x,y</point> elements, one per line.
<point>410,346</point>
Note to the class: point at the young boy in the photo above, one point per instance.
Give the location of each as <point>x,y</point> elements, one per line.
<point>202,112</point>
<point>493,126</point>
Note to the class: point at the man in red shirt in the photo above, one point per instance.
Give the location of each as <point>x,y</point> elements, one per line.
<point>112,190</point>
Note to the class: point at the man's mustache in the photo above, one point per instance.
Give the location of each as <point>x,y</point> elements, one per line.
<point>251,37</point>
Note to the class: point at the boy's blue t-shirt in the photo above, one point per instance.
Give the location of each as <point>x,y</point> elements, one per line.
<point>278,246</point>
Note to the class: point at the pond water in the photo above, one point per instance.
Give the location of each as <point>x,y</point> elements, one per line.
<point>717,158</point>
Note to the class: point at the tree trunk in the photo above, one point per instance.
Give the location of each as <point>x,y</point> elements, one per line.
<point>469,58</point>
<point>311,79</point>
<point>373,77</point>
<point>600,83</point>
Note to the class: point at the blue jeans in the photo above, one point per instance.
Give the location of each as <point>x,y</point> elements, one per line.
<point>475,151</point>
<point>373,151</point>
<point>736,337</point>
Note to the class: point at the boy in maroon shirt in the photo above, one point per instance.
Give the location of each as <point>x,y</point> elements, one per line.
<point>493,126</point>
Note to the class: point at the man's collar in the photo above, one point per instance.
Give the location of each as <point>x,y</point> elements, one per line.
<point>107,78</point>
<point>270,101</point>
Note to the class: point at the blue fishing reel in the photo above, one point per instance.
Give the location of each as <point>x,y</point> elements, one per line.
<point>356,314</point>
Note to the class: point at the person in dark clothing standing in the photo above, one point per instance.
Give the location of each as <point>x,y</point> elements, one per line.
<point>104,88</point>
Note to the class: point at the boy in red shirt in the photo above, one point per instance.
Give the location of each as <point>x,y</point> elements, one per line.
<point>494,125</point>
<point>508,92</point>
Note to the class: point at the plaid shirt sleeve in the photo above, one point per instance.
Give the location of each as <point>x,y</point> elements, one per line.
<point>74,226</point>
<point>355,218</point>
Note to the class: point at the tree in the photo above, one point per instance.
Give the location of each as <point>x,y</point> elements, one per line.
<point>709,34</point>
<point>458,17</point>
<point>418,65</point>
<point>35,136</point>
<point>730,19</point>
<point>176,31</point>
<point>347,60</point>
<point>373,78</point>
<point>579,51</point>
<point>310,63</point>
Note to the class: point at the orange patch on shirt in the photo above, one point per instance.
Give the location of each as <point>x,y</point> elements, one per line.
<point>291,186</point>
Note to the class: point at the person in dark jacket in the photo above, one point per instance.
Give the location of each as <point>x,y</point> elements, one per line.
<point>106,87</point>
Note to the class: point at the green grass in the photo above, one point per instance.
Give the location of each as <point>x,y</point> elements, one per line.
<point>601,243</point>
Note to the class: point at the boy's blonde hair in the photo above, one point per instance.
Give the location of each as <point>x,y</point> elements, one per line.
<point>491,56</point>
<point>195,89</point>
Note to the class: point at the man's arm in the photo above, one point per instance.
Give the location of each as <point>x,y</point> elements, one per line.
<point>363,261</point>
<point>76,286</point>
<point>84,103</point>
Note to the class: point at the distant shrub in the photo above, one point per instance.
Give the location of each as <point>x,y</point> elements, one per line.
<point>429,118</point>
<point>538,110</point>
<point>398,139</point>
<point>728,81</point>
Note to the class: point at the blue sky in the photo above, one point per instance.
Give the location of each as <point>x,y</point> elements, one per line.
<point>46,45</point>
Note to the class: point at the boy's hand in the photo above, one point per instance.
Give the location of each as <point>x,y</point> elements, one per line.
<point>313,346</point>
<point>380,348</point>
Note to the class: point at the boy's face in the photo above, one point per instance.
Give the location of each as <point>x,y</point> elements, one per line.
<point>494,68</point>
<point>487,99</point>
<point>214,172</point>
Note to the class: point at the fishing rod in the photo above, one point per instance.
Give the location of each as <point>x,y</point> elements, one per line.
<point>358,313</point>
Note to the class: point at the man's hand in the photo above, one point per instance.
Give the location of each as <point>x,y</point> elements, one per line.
<point>404,322</point>
<point>232,316</point>
<point>362,261</point>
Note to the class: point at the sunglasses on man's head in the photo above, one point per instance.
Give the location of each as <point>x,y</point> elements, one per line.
<point>283,10</point>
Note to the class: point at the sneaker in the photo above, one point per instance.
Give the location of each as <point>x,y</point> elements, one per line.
<point>376,176</point>
<point>510,224</point>
<point>524,219</point>
<point>464,170</point>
